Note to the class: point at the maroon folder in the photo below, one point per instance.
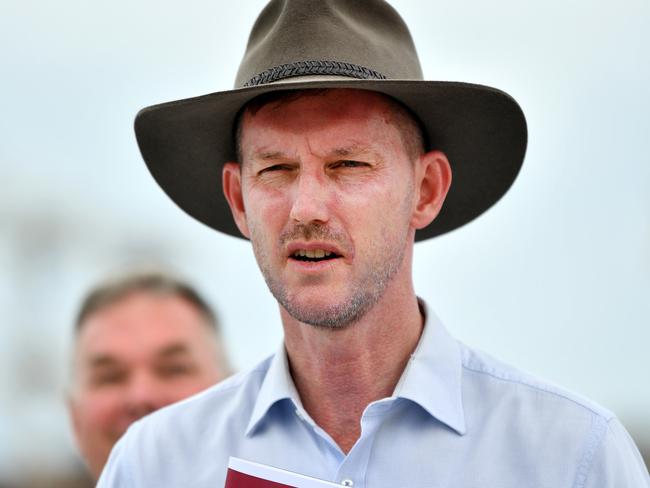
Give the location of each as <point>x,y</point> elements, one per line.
<point>235,479</point>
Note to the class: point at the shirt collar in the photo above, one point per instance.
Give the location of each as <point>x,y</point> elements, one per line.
<point>276,386</point>
<point>432,378</point>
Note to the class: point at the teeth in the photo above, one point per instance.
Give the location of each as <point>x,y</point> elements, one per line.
<point>312,253</point>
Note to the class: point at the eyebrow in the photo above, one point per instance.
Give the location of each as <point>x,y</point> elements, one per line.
<point>358,150</point>
<point>103,361</point>
<point>348,150</point>
<point>267,155</point>
<point>106,360</point>
<point>343,151</point>
<point>177,349</point>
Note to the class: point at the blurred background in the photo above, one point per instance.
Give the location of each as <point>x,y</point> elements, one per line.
<point>555,278</point>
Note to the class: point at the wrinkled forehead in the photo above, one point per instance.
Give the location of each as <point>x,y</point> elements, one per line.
<point>366,115</point>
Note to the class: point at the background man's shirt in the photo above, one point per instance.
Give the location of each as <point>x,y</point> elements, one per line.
<point>457,419</point>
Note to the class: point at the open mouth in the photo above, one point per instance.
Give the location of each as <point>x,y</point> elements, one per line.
<point>313,255</point>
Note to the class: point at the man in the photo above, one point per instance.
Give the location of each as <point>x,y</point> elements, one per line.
<point>341,158</point>
<point>142,341</point>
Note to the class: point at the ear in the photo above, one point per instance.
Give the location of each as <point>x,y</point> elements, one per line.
<point>433,179</point>
<point>232,190</point>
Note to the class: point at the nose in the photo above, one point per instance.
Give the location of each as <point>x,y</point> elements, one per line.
<point>311,198</point>
<point>143,396</point>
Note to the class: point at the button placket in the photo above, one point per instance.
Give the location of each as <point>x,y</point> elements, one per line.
<point>352,471</point>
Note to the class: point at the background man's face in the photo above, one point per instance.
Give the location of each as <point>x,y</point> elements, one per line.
<point>132,357</point>
<point>328,192</point>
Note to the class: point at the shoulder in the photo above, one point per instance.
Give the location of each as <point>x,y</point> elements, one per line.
<point>495,377</point>
<point>547,423</point>
<point>534,417</point>
<point>615,462</point>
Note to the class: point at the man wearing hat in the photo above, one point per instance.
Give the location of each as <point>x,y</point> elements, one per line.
<point>334,156</point>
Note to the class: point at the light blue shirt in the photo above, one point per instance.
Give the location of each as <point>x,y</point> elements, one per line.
<point>457,419</point>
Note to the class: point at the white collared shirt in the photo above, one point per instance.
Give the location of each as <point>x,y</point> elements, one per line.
<point>457,419</point>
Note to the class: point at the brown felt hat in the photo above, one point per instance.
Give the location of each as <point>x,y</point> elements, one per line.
<point>362,44</point>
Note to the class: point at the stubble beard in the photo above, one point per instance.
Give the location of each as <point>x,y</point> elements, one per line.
<point>365,291</point>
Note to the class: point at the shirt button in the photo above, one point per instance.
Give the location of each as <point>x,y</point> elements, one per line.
<point>347,483</point>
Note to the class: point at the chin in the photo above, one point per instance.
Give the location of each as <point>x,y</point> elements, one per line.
<point>329,314</point>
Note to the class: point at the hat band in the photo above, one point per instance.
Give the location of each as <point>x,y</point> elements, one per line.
<point>302,68</point>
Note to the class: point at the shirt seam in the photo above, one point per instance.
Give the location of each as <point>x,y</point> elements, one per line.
<point>595,440</point>
<point>538,387</point>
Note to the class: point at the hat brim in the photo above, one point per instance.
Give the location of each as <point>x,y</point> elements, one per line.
<point>482,131</point>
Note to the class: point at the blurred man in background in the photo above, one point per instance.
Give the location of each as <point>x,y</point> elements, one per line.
<point>142,341</point>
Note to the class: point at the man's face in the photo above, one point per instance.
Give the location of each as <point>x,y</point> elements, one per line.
<point>327,188</point>
<point>132,357</point>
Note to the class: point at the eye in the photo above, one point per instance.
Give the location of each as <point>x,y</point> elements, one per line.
<point>347,163</point>
<point>174,369</point>
<point>274,168</point>
<point>105,378</point>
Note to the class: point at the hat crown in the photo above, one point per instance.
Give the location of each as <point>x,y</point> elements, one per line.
<point>357,38</point>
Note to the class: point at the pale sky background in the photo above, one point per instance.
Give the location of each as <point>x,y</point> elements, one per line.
<point>554,279</point>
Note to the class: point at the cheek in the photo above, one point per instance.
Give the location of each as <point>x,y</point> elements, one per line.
<point>267,217</point>
<point>381,227</point>
<point>266,209</point>
<point>99,410</point>
<point>382,208</point>
<point>260,199</point>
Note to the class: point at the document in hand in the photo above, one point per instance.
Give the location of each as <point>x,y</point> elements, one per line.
<point>247,474</point>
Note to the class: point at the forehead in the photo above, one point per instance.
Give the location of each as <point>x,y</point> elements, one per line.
<point>343,115</point>
<point>141,323</point>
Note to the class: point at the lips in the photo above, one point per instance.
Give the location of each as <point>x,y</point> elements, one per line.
<point>313,252</point>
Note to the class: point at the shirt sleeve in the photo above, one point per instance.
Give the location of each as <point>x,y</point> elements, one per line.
<point>117,471</point>
<point>617,462</point>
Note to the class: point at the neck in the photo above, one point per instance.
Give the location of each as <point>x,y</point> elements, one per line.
<point>338,372</point>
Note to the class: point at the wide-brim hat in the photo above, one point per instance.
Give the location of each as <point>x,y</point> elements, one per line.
<point>361,44</point>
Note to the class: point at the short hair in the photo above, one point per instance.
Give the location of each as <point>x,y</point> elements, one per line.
<point>156,282</point>
<point>410,128</point>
